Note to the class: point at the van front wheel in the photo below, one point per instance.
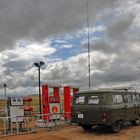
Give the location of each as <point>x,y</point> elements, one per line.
<point>116,126</point>
<point>87,127</point>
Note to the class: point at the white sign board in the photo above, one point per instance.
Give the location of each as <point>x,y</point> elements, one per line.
<point>16,113</point>
<point>15,101</point>
<point>55,110</point>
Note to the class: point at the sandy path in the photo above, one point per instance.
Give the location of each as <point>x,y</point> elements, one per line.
<point>77,133</point>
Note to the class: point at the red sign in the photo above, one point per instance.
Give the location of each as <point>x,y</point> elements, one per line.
<point>54,109</point>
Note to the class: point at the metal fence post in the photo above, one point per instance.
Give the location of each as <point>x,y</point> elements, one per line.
<point>4,126</point>
<point>17,125</point>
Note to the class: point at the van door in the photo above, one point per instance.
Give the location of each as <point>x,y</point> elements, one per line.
<point>93,110</point>
<point>138,102</point>
<point>136,106</point>
<point>129,108</point>
<point>118,108</point>
<point>79,109</point>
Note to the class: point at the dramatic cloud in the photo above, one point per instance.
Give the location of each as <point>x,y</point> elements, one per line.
<point>36,20</point>
<point>55,31</point>
<point>117,29</point>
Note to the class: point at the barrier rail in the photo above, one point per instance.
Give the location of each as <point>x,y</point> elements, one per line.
<point>8,127</point>
<point>52,120</point>
<point>33,123</point>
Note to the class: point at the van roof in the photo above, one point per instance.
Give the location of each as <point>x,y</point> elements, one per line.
<point>105,91</point>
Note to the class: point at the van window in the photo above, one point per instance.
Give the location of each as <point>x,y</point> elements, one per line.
<point>128,98</point>
<point>19,100</point>
<point>117,99</point>
<point>138,97</point>
<point>14,99</point>
<point>80,100</point>
<point>134,98</point>
<point>93,100</point>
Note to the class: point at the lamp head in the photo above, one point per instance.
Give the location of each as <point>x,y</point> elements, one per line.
<point>41,63</point>
<point>36,64</point>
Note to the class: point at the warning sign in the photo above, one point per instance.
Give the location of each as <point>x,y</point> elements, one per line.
<point>54,109</point>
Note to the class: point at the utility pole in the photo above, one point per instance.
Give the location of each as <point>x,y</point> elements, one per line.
<point>88,37</point>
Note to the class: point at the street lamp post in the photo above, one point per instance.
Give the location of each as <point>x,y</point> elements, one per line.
<point>39,64</point>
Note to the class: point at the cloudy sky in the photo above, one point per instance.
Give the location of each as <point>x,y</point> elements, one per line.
<point>55,31</point>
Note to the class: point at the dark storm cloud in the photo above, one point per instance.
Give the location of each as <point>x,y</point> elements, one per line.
<point>117,34</point>
<point>17,65</point>
<point>35,20</point>
<point>102,45</point>
<point>121,24</point>
<point>118,73</point>
<point>114,58</point>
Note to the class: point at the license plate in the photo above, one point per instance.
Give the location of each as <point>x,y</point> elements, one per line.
<point>81,116</point>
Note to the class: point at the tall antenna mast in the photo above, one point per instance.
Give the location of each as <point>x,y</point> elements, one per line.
<point>88,43</point>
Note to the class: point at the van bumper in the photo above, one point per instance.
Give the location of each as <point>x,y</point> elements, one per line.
<point>85,122</point>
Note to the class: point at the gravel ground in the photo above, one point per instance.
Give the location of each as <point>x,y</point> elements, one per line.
<point>77,133</point>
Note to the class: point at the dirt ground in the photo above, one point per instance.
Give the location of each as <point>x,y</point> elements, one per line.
<point>77,133</point>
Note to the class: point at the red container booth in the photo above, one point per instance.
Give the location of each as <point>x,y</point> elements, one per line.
<point>68,100</point>
<point>51,104</point>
